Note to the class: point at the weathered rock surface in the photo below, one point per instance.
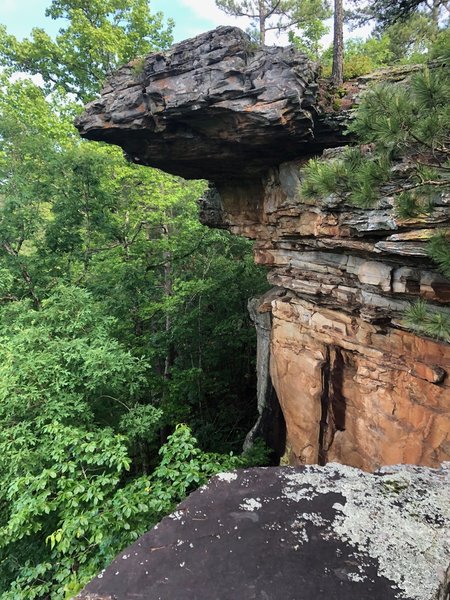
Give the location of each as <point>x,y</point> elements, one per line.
<point>212,107</point>
<point>306,533</point>
<point>354,384</point>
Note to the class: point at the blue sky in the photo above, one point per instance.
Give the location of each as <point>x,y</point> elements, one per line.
<point>191,16</point>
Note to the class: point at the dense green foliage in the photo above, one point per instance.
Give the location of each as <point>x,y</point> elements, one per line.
<point>386,12</point>
<point>100,35</point>
<point>393,121</point>
<point>404,32</point>
<point>121,317</point>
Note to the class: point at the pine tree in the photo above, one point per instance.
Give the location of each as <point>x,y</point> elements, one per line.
<point>337,74</point>
<point>386,12</point>
<point>398,121</point>
<point>395,120</point>
<point>277,15</point>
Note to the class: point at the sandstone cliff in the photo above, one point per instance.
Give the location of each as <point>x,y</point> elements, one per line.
<point>355,386</point>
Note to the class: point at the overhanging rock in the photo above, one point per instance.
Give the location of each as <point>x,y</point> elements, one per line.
<point>311,533</point>
<point>213,107</point>
<point>355,384</point>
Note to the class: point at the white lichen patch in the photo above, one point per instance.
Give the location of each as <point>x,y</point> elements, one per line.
<point>315,519</point>
<point>272,526</point>
<point>250,504</point>
<point>356,577</point>
<point>177,515</point>
<point>228,477</point>
<point>299,532</point>
<point>400,518</point>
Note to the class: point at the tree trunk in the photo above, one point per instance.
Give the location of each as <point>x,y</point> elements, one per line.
<point>262,23</point>
<point>337,74</point>
<point>435,12</point>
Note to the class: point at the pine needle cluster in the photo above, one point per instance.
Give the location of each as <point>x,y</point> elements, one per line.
<point>422,318</point>
<point>439,251</point>
<point>398,121</point>
<point>394,121</point>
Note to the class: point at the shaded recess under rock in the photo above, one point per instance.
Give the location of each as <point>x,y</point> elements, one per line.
<point>308,533</point>
<point>354,384</point>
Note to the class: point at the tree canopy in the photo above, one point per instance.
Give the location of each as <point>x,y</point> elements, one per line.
<point>99,36</point>
<point>386,12</point>
<point>281,15</point>
<point>127,355</point>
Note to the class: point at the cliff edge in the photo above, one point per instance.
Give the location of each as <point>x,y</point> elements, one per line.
<point>355,385</point>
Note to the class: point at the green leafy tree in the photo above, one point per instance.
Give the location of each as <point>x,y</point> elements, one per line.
<point>360,56</point>
<point>121,316</point>
<point>417,31</point>
<point>413,40</point>
<point>68,498</point>
<point>281,15</point>
<point>386,12</point>
<point>131,235</point>
<point>99,36</point>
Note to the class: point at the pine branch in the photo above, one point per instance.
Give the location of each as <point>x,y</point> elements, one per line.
<point>414,186</point>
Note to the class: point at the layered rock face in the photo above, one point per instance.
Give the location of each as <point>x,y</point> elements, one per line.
<point>213,108</point>
<point>354,384</point>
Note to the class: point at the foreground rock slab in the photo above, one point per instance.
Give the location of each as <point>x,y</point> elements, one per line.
<point>308,533</point>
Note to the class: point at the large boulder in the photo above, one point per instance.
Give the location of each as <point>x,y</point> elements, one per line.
<point>354,383</point>
<point>212,107</point>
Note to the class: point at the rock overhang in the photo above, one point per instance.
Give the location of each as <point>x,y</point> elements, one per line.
<point>213,107</point>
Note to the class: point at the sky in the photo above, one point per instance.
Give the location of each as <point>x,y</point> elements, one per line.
<point>191,17</point>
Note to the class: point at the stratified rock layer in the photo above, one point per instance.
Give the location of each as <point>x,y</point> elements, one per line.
<point>212,107</point>
<point>354,384</point>
<point>305,533</point>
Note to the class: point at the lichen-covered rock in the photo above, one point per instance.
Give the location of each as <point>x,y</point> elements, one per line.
<point>212,107</point>
<point>288,533</point>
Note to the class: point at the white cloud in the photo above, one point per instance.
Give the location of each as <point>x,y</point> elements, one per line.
<point>8,5</point>
<point>207,9</point>
<point>36,79</point>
